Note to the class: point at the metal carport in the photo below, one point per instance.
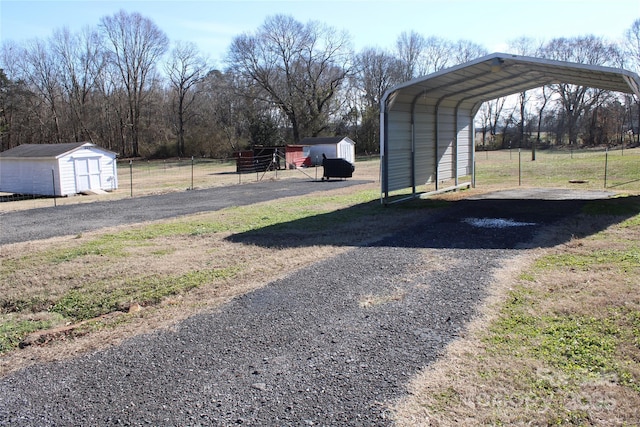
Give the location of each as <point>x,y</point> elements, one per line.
<point>426,124</point>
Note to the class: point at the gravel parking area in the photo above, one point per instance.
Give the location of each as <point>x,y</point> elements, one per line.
<point>332,344</point>
<point>42,223</point>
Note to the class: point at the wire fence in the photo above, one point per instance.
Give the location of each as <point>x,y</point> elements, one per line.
<point>152,177</point>
<point>617,170</point>
<point>566,168</point>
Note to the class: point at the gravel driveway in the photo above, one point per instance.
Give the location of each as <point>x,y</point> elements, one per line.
<point>331,344</point>
<point>42,223</point>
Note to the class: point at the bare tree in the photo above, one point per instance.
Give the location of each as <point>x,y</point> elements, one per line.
<point>465,51</point>
<point>577,101</point>
<point>298,68</point>
<point>40,70</point>
<point>186,68</point>
<point>437,54</point>
<point>377,72</point>
<point>492,115</point>
<point>525,46</point>
<point>81,60</point>
<point>16,116</point>
<point>223,114</point>
<point>135,44</point>
<point>410,47</point>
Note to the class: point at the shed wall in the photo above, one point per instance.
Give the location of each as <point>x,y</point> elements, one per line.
<point>29,176</point>
<point>316,152</point>
<point>34,176</point>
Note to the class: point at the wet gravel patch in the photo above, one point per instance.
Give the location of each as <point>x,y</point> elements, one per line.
<point>332,344</point>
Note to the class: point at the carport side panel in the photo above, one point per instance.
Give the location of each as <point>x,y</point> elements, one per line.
<point>425,159</point>
<point>446,142</point>
<point>398,151</point>
<point>465,143</point>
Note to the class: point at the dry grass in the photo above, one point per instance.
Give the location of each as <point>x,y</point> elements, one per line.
<point>492,375</point>
<point>158,177</point>
<point>93,267</point>
<point>558,342</point>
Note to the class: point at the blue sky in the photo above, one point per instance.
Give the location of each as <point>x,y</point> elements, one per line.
<point>213,24</point>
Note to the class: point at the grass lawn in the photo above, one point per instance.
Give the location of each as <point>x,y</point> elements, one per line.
<point>558,342</point>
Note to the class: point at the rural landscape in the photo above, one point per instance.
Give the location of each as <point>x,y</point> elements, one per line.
<point>555,340</point>
<point>199,288</point>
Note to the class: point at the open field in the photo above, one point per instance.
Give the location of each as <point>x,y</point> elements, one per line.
<point>558,342</point>
<point>494,169</point>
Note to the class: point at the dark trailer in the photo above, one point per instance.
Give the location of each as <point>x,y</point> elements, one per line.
<point>337,168</point>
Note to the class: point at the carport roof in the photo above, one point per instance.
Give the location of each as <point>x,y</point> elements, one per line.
<point>502,74</point>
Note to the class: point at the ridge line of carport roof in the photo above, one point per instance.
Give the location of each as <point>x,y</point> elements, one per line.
<point>559,70</point>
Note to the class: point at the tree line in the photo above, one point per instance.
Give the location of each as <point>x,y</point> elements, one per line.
<point>124,86</point>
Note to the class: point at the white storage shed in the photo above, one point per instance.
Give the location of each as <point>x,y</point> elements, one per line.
<point>338,147</point>
<point>57,169</point>
<point>427,124</point>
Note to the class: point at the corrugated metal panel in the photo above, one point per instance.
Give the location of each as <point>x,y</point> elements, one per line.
<point>445,103</point>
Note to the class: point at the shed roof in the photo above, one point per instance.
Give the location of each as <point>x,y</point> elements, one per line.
<point>323,140</point>
<point>46,150</point>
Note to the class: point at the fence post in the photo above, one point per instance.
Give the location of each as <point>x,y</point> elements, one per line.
<point>131,177</point>
<point>606,165</point>
<point>519,167</point>
<point>192,172</point>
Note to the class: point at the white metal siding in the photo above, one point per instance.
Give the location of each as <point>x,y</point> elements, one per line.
<point>67,176</point>
<point>398,151</point>
<point>347,151</point>
<point>316,152</point>
<point>109,173</point>
<point>425,154</point>
<point>343,150</point>
<point>29,176</point>
<point>34,175</point>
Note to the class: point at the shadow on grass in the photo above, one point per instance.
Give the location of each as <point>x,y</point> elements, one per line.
<point>463,224</point>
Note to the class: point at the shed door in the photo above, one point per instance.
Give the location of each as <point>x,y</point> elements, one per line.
<point>87,173</point>
<point>345,151</point>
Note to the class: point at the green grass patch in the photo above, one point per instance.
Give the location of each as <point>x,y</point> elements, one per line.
<point>557,168</point>
<point>577,345</point>
<point>94,301</point>
<point>13,330</point>
<point>624,260</point>
<point>581,347</point>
